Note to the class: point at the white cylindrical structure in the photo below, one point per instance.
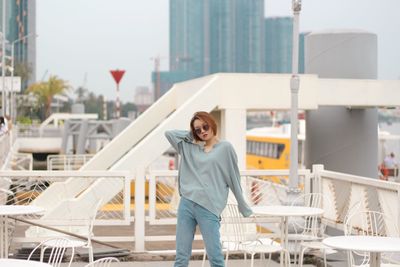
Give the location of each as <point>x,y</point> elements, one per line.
<point>341,138</point>
<point>342,54</point>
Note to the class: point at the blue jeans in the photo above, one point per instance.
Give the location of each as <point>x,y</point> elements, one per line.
<point>189,215</point>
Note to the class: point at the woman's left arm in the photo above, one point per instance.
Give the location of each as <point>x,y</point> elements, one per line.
<point>234,183</point>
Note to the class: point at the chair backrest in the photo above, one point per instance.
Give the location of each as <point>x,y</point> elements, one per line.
<point>371,223</point>
<point>103,262</point>
<point>56,249</point>
<point>355,208</point>
<point>309,225</point>
<point>234,228</point>
<point>314,200</point>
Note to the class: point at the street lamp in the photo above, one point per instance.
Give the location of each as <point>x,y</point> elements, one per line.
<point>12,70</point>
<point>294,90</point>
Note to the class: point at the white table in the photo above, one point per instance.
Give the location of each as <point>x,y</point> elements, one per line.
<point>12,210</point>
<point>284,212</point>
<point>22,263</point>
<point>372,244</point>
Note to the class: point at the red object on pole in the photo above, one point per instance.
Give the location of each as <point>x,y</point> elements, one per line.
<point>117,75</point>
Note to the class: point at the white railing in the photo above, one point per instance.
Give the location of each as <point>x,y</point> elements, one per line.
<point>39,131</point>
<point>21,162</point>
<point>346,191</point>
<point>26,186</point>
<point>259,186</point>
<point>67,162</point>
<point>5,147</point>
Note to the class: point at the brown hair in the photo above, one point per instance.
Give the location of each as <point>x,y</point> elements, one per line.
<point>207,118</point>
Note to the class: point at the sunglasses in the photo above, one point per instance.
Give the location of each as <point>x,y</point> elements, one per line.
<point>205,127</point>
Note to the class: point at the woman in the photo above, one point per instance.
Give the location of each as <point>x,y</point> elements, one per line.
<point>207,171</point>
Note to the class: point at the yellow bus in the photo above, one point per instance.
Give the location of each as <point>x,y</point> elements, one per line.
<point>267,152</point>
<point>269,148</point>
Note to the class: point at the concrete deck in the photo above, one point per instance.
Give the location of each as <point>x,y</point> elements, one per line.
<point>232,263</point>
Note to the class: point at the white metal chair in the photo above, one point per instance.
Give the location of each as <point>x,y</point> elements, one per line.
<point>243,241</point>
<point>78,243</point>
<point>227,231</point>
<point>309,232</point>
<point>56,251</point>
<point>103,262</point>
<point>369,223</point>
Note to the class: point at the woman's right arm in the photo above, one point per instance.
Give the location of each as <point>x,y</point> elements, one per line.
<point>175,137</point>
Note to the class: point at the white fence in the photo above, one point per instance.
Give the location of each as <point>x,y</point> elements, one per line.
<point>5,146</point>
<point>25,186</point>
<point>155,197</point>
<point>67,162</point>
<point>345,191</point>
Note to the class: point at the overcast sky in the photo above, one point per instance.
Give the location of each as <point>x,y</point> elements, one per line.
<point>87,38</point>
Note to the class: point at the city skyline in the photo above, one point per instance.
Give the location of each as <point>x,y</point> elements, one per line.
<point>82,41</point>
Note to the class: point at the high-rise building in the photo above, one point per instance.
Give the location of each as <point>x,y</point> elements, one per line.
<point>279,45</point>
<point>236,36</point>
<point>20,32</point>
<point>188,34</point>
<point>209,36</point>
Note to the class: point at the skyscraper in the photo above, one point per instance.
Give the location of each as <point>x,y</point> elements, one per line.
<point>278,45</point>
<point>188,31</point>
<point>208,36</point>
<point>21,22</point>
<point>236,36</point>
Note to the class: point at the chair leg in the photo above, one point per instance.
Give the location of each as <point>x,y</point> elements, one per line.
<point>227,257</point>
<point>269,259</point>
<point>301,256</point>
<point>204,259</point>
<point>252,260</point>
<point>295,252</point>
<point>286,257</point>
<point>325,263</point>
<point>41,255</point>
<point>91,257</point>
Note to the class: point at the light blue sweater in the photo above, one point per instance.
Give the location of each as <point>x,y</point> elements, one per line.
<point>205,177</point>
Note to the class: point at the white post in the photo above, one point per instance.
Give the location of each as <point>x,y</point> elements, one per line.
<point>12,82</point>
<point>233,129</point>
<point>139,209</point>
<point>3,60</point>
<point>317,183</point>
<point>294,89</point>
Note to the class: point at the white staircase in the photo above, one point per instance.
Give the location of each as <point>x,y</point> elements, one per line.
<point>138,145</point>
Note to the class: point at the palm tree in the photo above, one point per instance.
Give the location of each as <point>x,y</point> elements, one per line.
<point>45,91</point>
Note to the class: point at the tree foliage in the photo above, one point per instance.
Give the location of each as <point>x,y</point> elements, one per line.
<point>45,91</point>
